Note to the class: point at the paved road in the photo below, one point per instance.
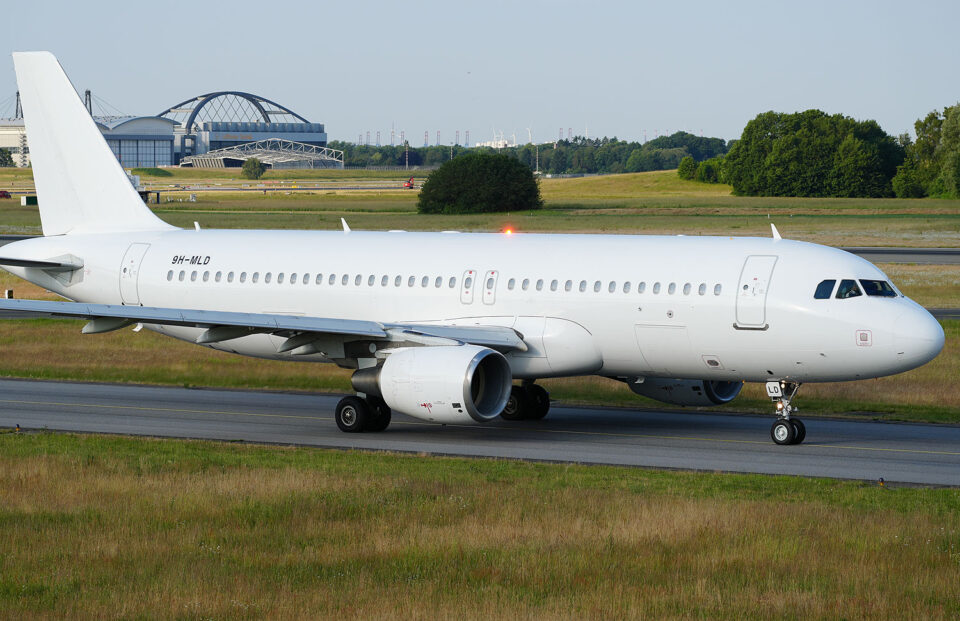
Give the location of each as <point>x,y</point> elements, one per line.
<point>923,454</point>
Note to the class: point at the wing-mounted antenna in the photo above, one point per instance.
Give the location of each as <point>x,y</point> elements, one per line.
<point>776,233</point>
<point>346,227</point>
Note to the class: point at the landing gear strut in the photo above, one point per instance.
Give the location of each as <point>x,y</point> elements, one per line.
<point>787,429</point>
<point>354,414</point>
<point>527,402</point>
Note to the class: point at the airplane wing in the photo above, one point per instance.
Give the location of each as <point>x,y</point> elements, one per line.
<point>298,330</point>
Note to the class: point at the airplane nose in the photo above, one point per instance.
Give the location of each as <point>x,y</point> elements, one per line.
<point>917,338</point>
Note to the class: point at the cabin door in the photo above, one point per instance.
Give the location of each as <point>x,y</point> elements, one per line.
<point>130,273</point>
<point>752,292</point>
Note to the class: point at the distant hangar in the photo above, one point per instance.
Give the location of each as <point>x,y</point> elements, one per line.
<point>210,130</point>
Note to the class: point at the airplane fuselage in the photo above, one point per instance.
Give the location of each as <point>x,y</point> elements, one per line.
<point>716,308</point>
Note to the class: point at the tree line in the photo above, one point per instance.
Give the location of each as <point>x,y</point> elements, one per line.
<point>578,155</point>
<point>814,154</point>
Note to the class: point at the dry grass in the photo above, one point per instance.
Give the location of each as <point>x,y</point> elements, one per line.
<point>113,527</point>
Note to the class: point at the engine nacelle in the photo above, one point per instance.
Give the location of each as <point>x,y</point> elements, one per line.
<point>444,384</point>
<point>685,392</point>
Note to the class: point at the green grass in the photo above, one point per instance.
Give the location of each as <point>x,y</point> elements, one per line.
<point>94,527</point>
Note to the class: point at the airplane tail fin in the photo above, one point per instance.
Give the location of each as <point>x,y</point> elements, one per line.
<point>81,187</point>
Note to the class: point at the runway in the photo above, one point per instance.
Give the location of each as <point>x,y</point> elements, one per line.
<point>908,453</point>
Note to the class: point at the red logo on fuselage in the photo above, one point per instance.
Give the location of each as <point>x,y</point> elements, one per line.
<point>428,407</point>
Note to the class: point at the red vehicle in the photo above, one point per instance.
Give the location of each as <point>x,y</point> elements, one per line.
<point>408,184</point>
<point>4,194</point>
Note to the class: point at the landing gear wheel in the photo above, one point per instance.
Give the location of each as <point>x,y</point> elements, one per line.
<point>783,432</point>
<point>518,404</point>
<point>539,401</point>
<point>380,414</point>
<point>799,430</point>
<point>352,414</point>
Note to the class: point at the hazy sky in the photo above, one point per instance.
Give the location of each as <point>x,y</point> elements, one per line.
<point>606,68</point>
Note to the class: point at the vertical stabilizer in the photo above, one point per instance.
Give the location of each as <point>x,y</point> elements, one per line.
<point>81,187</point>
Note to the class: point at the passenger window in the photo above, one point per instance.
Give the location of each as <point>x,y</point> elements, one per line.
<point>280,278</point>
<point>243,277</point>
<point>293,278</point>
<point>384,280</point>
<point>170,275</point>
<point>583,286</point>
<point>182,274</point>
<point>425,281</point>
<point>468,283</point>
<point>193,276</point>
<point>489,284</point>
<point>411,280</point>
<point>626,287</point>
<point>567,286</point>
<point>656,287</point>
<point>397,280</point>
<point>540,285</point>
<point>306,278</point>
<point>256,277</point>
<point>686,289</point>
<point>332,280</point>
<point>267,277</point>
<point>206,276</point>
<point>716,289</point>
<point>554,284</point>
<point>596,286</point>
<point>344,280</point>
<point>641,287</point>
<point>218,276</point>
<point>526,284</point>
<point>453,282</point>
<point>319,279</point>
<point>612,287</point>
<point>511,283</point>
<point>438,283</point>
<point>370,280</point>
<point>358,280</point>
<point>848,289</point>
<point>878,288</point>
<point>703,289</point>
<point>824,289</point>
<point>672,288</point>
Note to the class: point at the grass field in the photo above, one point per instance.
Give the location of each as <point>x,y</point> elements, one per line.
<point>110,527</point>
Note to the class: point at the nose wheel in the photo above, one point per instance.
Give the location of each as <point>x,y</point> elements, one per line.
<point>787,429</point>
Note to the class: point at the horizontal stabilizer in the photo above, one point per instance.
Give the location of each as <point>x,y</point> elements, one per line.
<point>50,266</point>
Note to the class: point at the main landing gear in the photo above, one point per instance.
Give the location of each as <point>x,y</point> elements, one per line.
<point>786,429</point>
<point>356,414</point>
<point>527,402</point>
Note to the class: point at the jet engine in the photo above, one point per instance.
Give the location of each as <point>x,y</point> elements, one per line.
<point>443,384</point>
<point>685,392</point>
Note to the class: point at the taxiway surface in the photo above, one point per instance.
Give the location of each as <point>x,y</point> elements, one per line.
<point>909,453</point>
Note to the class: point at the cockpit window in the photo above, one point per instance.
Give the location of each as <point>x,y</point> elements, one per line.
<point>879,288</point>
<point>848,289</point>
<point>824,289</point>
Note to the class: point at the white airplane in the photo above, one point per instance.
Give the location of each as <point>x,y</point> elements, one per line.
<point>439,325</point>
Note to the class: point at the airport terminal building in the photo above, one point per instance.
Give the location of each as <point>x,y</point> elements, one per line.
<point>185,133</point>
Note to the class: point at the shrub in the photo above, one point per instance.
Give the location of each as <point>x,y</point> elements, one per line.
<point>253,169</point>
<point>151,172</point>
<point>687,168</point>
<point>480,183</point>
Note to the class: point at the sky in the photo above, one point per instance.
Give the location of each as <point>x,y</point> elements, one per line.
<point>523,68</point>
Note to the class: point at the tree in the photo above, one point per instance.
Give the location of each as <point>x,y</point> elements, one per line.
<point>687,168</point>
<point>811,153</point>
<point>6,161</point>
<point>253,168</point>
<point>906,183</point>
<point>480,183</point>
<point>708,171</point>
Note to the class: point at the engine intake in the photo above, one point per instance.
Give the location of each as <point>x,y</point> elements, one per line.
<point>686,392</point>
<point>445,384</point>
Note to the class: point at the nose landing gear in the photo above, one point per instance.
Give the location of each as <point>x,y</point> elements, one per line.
<point>786,429</point>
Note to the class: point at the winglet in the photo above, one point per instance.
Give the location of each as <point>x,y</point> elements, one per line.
<point>776,233</point>
<point>346,227</point>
